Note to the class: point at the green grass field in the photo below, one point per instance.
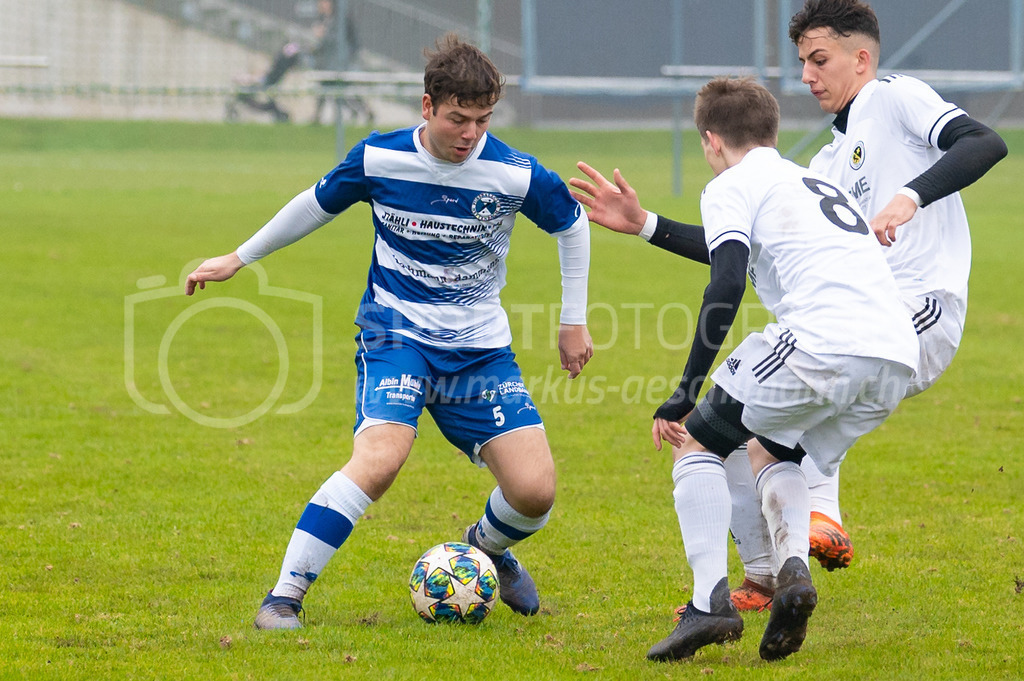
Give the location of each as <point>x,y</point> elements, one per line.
<point>137,545</point>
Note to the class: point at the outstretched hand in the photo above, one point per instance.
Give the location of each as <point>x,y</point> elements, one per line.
<point>615,206</point>
<point>221,268</point>
<point>898,212</point>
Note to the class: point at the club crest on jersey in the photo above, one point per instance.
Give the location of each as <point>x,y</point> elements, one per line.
<point>857,157</point>
<point>485,207</point>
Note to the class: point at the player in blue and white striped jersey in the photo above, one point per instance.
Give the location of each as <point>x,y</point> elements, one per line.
<point>433,334</point>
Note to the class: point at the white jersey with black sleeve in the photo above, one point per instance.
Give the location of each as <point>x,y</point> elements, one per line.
<point>813,261</point>
<point>891,136</point>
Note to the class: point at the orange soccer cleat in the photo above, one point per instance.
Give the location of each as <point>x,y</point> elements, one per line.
<point>830,543</point>
<point>752,597</point>
<point>747,597</point>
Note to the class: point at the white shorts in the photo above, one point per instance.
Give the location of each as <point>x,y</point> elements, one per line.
<point>824,403</point>
<point>939,323</point>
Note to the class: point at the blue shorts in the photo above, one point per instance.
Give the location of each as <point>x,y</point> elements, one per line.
<point>474,395</point>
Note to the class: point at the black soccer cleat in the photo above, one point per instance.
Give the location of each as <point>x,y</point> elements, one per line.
<point>794,601</point>
<point>515,585</point>
<point>697,628</point>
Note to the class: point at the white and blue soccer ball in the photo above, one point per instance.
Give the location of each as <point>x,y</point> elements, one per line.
<point>453,582</point>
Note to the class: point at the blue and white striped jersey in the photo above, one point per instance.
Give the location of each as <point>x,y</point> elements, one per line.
<point>442,232</point>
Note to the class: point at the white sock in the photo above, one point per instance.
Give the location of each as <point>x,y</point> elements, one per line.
<point>748,526</point>
<point>824,490</point>
<point>786,506</point>
<point>323,528</point>
<point>503,526</point>
<point>703,507</point>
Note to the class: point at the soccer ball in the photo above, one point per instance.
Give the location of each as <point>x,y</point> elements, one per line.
<point>453,582</point>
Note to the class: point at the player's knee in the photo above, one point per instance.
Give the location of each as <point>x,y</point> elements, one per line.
<point>537,507</point>
<point>542,503</point>
<point>533,496</point>
<point>759,456</point>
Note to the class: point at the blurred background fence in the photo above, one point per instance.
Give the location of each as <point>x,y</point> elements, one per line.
<point>599,62</point>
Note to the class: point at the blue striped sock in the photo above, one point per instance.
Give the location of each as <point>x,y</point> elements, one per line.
<point>324,526</point>
<point>502,526</point>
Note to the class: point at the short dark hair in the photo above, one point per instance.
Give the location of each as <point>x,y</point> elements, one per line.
<point>459,71</point>
<point>740,110</point>
<point>843,17</point>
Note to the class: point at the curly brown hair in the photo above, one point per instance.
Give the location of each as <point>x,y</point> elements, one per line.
<point>459,71</point>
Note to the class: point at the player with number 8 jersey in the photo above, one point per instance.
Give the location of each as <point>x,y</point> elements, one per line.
<point>831,368</point>
<point>811,257</point>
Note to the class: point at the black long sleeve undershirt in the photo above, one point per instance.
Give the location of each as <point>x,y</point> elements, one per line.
<point>682,239</point>
<point>972,148</point>
<point>722,299</point>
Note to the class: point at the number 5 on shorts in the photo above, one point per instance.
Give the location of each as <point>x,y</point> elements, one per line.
<point>499,418</point>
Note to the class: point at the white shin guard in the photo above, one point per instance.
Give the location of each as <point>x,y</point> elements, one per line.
<point>702,505</point>
<point>824,490</point>
<point>748,526</point>
<point>786,505</point>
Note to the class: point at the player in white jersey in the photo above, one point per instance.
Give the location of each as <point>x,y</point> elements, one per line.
<point>433,334</point>
<point>831,368</point>
<point>904,153</point>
